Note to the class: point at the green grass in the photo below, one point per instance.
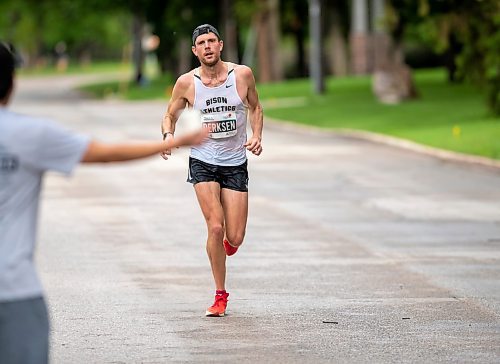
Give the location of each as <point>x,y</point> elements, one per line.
<point>158,88</point>
<point>76,68</point>
<point>452,117</point>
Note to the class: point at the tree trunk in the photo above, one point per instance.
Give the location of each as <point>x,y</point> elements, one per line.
<point>35,57</point>
<point>137,51</point>
<point>160,28</point>
<point>337,51</point>
<point>299,35</point>
<point>359,37</point>
<point>298,28</point>
<point>316,60</point>
<point>392,80</point>
<point>263,52</point>
<point>230,32</point>
<point>250,44</point>
<point>380,37</point>
<point>267,21</point>
<point>454,49</point>
<point>185,55</point>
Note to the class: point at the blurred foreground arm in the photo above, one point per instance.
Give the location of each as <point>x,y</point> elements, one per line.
<point>98,152</point>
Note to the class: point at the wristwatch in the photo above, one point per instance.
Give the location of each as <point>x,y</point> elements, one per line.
<point>166,133</point>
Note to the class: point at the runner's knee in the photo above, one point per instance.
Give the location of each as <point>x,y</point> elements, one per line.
<point>216,230</point>
<point>236,239</point>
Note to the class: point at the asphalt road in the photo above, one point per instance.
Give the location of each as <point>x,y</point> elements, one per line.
<point>355,251</point>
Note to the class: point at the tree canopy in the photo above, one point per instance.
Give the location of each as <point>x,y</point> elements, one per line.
<point>465,32</point>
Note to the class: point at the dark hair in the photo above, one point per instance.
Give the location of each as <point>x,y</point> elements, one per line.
<point>204,29</point>
<point>7,66</point>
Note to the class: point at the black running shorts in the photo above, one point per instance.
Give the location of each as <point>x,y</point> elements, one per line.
<point>230,177</point>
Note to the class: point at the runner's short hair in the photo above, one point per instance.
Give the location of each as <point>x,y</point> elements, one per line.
<point>204,29</point>
<point>8,63</point>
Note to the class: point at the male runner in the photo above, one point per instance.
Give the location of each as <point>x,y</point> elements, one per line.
<point>224,93</point>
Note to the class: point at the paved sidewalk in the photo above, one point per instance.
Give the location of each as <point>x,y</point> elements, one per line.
<point>355,252</point>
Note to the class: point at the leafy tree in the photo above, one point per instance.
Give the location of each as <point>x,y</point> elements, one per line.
<point>173,22</point>
<point>87,27</point>
<point>469,33</point>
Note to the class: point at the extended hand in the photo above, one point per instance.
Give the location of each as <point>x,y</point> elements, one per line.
<point>253,144</point>
<point>193,138</point>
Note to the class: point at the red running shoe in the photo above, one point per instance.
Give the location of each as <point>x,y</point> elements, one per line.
<point>230,250</point>
<point>218,309</point>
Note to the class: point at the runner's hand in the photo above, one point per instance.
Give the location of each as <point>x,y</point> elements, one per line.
<point>253,144</point>
<point>167,152</point>
<point>192,138</point>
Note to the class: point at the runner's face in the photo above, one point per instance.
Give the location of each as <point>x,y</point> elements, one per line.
<point>207,48</point>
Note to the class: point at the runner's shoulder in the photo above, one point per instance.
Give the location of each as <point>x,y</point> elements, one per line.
<point>241,68</point>
<point>185,80</point>
<point>243,71</point>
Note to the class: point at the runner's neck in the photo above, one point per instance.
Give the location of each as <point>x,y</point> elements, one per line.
<point>215,75</point>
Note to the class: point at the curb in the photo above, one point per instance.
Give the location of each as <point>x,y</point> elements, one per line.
<point>387,140</point>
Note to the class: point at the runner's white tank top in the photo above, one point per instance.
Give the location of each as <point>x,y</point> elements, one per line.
<point>223,112</point>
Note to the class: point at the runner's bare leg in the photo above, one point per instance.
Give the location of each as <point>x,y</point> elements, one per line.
<point>235,207</point>
<point>209,198</point>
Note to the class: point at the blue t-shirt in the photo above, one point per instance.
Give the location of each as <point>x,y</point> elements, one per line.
<point>28,147</point>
